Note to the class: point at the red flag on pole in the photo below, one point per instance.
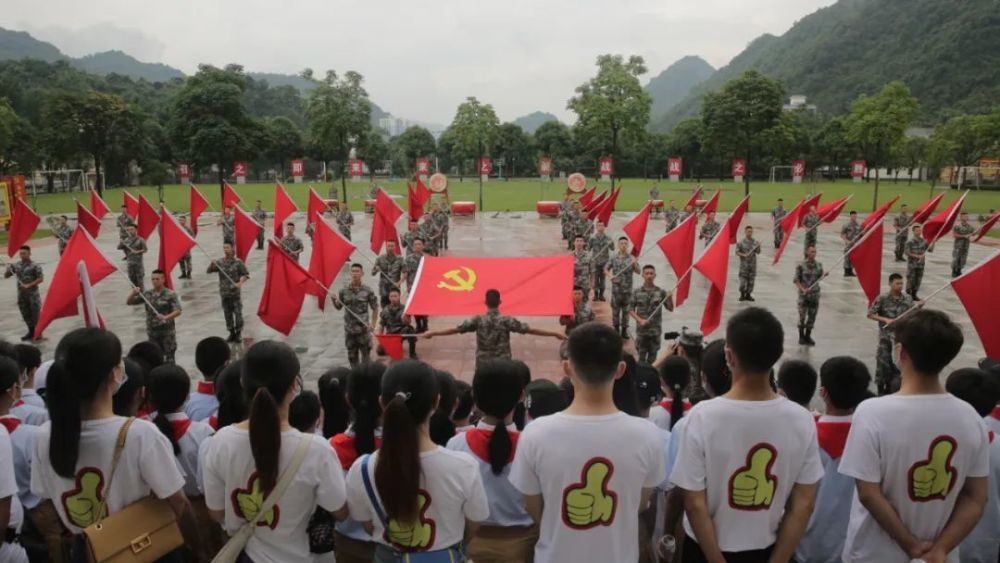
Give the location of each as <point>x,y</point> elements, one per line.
<point>285,286</point>
<point>828,212</point>
<point>414,209</point>
<point>246,231</point>
<point>866,257</point>
<point>229,196</point>
<point>87,220</point>
<point>977,290</point>
<point>595,203</point>
<point>809,202</point>
<point>678,247</point>
<point>148,218</point>
<point>131,205</point>
<point>737,217</point>
<point>60,300</point>
<point>329,252</point>
<point>283,208</point>
<point>693,200</point>
<point>787,226</point>
<point>714,265</point>
<point>23,224</point>
<point>635,229</point>
<point>986,227</point>
<point>384,222</point>
<point>91,316</point>
<point>712,205</point>
<point>175,242</point>
<point>97,206</point>
<point>392,344</point>
<point>315,207</point>
<point>878,214</point>
<point>198,205</point>
<point>604,215</point>
<point>421,191</point>
<point>588,196</point>
<point>941,224</point>
<point>925,210</point>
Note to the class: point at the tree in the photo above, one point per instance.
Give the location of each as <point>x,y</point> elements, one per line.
<point>474,132</point>
<point>409,145</point>
<point>735,118</point>
<point>554,139</point>
<point>284,141</point>
<point>339,115</point>
<point>913,154</point>
<point>685,141</point>
<point>514,145</point>
<point>876,123</point>
<point>374,150</point>
<point>964,140</point>
<point>830,145</point>
<point>10,126</point>
<point>612,104</point>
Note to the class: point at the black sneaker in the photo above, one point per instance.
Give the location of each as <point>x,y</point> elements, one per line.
<point>750,297</point>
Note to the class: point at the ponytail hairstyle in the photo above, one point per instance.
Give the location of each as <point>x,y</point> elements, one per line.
<point>131,395</point>
<point>85,362</point>
<point>270,369</point>
<point>497,389</point>
<point>364,385</point>
<point>675,374</point>
<point>521,410</point>
<point>336,411</point>
<point>229,392</point>
<point>410,394</point>
<point>168,386</point>
<point>442,427</point>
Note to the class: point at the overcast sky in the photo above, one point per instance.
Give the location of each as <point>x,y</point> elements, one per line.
<point>420,59</point>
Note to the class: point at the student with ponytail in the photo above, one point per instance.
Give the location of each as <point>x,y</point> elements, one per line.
<point>332,396</point>
<point>72,460</point>
<point>413,495</point>
<point>244,461</point>
<point>675,375</point>
<point>509,534</point>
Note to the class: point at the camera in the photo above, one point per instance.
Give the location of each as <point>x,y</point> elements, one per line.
<point>671,335</point>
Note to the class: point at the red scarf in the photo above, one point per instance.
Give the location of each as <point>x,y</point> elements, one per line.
<point>10,423</point>
<point>832,436</point>
<point>668,404</point>
<point>17,403</point>
<point>213,421</point>
<point>347,453</point>
<point>180,427</point>
<point>996,412</point>
<point>479,442</point>
<point>206,388</point>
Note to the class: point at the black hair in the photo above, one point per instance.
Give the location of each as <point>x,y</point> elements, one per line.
<point>463,404</point>
<point>623,239</point>
<point>647,386</point>
<point>364,384</point>
<point>853,212</point>
<point>930,339</point>
<point>578,237</point>
<point>229,392</point>
<point>421,239</point>
<point>290,224</point>
<point>595,350</point>
<point>87,359</point>
<point>9,350</point>
<point>976,387</point>
<point>648,267</point>
<point>210,355</point>
<point>10,374</point>
<point>269,372</point>
<point>756,339</point>
<point>168,388</point>
<point>442,428</point>
<point>497,389</point>
<point>126,400</point>
<point>393,289</point>
<point>28,357</point>
<point>25,247</point>
<point>675,374</point>
<point>566,384</point>
<point>357,265</point>
<point>846,380</point>
<point>304,411</point>
<point>409,392</point>
<point>577,288</point>
<point>623,389</point>
<point>147,353</point>
<point>544,398</point>
<point>894,276</point>
<point>717,375</point>
<point>797,380</point>
<point>492,298</point>
<point>158,271</point>
<point>333,397</point>
<point>520,410</point>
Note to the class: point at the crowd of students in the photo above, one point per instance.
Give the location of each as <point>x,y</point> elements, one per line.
<point>619,461</point>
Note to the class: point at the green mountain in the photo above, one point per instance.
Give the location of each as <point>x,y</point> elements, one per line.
<point>118,62</point>
<point>275,79</point>
<point>671,85</point>
<point>534,120</point>
<point>947,52</point>
<point>21,45</point>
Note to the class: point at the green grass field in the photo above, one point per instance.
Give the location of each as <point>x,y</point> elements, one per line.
<point>521,195</point>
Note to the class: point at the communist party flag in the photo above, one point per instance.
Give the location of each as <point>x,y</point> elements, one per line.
<point>923,212</point>
<point>986,226</point>
<point>712,205</point>
<point>229,196</point>
<point>453,285</point>
<point>588,196</point>
<point>60,300</point>
<point>941,224</point>
<point>787,226</point>
<point>384,222</point>
<point>285,286</point>
<point>809,202</point>
<point>315,207</point>
<point>693,200</point>
<point>714,265</point>
<point>175,242</point>
<point>131,205</point>
<point>635,229</point>
<point>678,247</point>
<point>97,206</point>
<point>878,213</point>
<point>245,232</point>
<point>976,289</point>
<point>604,213</point>
<point>283,208</point>
<point>87,220</point>
<point>737,217</point>
<point>866,257</point>
<point>828,212</point>
<point>148,218</point>
<point>23,224</point>
<point>198,206</point>
<point>329,252</point>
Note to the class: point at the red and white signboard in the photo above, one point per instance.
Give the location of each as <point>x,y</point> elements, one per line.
<point>545,167</point>
<point>606,167</point>
<point>184,171</point>
<point>739,169</point>
<point>355,168</point>
<point>675,167</point>
<point>240,172</point>
<point>423,166</point>
<point>798,170</point>
<point>858,169</point>
<point>298,169</point>
<point>485,166</point>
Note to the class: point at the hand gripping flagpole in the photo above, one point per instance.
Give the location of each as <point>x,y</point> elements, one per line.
<point>844,255</point>
<point>214,261</point>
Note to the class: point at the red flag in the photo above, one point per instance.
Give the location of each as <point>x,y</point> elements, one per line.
<point>976,289</point>
<point>329,252</point>
<point>604,215</point>
<point>809,202</point>
<point>384,222</point>
<point>392,344</point>
<point>986,226</point>
<point>595,203</point>
<point>60,300</point>
<point>23,223</point>
<point>925,210</point>
<point>198,205</point>
<point>175,242</point>
<point>713,203</point>
<point>878,213</point>
<point>635,229</point>
<point>91,316</point>
<point>453,285</point>
<point>588,196</point>
<point>693,200</point>
<point>678,247</point>
<point>737,217</point>
<point>414,208</point>
<point>866,257</point>
<point>787,226</point>
<point>283,208</point>
<point>285,286</point>
<point>87,220</point>
<point>246,231</point>
<point>131,205</point>
<point>315,208</point>
<point>714,265</point>
<point>941,224</point>
<point>828,212</point>
<point>421,191</point>
<point>229,196</point>
<point>97,206</point>
<point>148,218</point>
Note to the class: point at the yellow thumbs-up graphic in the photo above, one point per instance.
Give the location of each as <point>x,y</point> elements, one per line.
<point>590,503</point>
<point>933,478</point>
<point>752,486</point>
<point>413,536</point>
<point>247,502</point>
<point>84,500</point>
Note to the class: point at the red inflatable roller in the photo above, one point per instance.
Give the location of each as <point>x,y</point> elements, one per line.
<point>547,208</point>
<point>463,208</point>
<point>369,206</point>
<point>657,204</point>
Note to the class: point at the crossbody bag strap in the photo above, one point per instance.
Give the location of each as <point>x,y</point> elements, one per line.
<point>370,491</point>
<point>286,478</point>
<point>115,458</point>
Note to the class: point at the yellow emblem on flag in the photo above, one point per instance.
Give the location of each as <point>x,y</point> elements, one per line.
<point>459,282</point>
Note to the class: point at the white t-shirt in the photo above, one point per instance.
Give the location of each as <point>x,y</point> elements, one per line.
<point>203,402</point>
<point>10,552</point>
<point>660,415</point>
<point>230,479</point>
<point>920,448</point>
<point>29,413</point>
<point>22,440</point>
<point>146,465</point>
<point>747,455</point>
<point>590,471</point>
<point>506,502</point>
<point>983,542</point>
<point>31,397</point>
<point>451,491</point>
<point>192,434</point>
<point>993,420</point>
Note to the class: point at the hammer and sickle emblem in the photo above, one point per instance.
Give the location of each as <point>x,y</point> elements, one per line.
<point>460,282</point>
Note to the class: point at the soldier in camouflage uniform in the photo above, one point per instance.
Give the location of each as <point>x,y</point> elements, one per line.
<point>777,214</point>
<point>393,321</point>
<point>850,233</point>
<point>582,313</point>
<point>185,262</point>
<point>599,245</point>
<point>291,243</point>
<point>645,309</point>
<point>344,220</point>
<point>565,219</point>
<point>429,232</point>
<point>963,232</point>
<point>811,224</point>
<point>62,232</point>
<point>409,271</point>
<point>620,268</point>
<point>232,274</point>
<point>654,194</point>
<point>412,232</point>
<point>688,211</point>
<point>29,277</point>
<point>492,331</point>
<point>581,225</point>
<point>359,300</point>
<point>885,309</point>
<point>260,216</point>
<point>747,250</point>
<point>902,224</point>
<point>808,273</point>
<point>710,228</point>
<point>583,267</point>
<point>672,215</point>
<point>166,307</point>
<point>135,247</point>
<point>389,267</point>
<point>226,220</point>
<point>916,249</point>
<point>440,216</point>
<point>123,222</point>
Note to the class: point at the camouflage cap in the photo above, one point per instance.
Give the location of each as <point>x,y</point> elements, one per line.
<point>691,338</point>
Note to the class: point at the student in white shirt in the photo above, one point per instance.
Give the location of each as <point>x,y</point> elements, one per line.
<point>333,398</point>
<point>463,407</point>
<point>509,534</point>
<point>29,359</point>
<point>22,436</point>
<point>797,381</point>
<point>11,513</point>
<point>749,484</point>
<point>675,376</point>
<point>72,460</point>
<point>28,413</point>
<point>431,497</point>
<point>210,356</point>
<point>243,462</point>
<point>844,382</point>
<point>589,471</point>
<point>305,413</point>
<point>919,457</point>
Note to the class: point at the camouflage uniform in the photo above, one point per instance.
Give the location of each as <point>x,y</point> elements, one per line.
<point>566,222</point>
<point>889,306</point>
<point>407,240</point>
<point>777,214</point>
<point>960,252</point>
<point>186,259</point>
<point>748,264</point>
<point>28,300</point>
<point>808,273</point>
<point>583,269</point>
<point>902,224</point>
<point>851,231</point>
<point>63,232</point>
<point>344,221</point>
<point>134,247</point>
<point>811,220</point>
<point>581,227</point>
<point>647,303</point>
<point>161,333</point>
<point>673,217</point>
<point>915,266</point>
<point>492,334</point>
<point>429,232</point>
<point>260,216</point>
<point>600,246</point>
<point>393,321</point>
<point>123,222</point>
<point>709,230</point>
<point>621,268</point>
<point>388,266</point>
<point>443,224</point>
<point>358,302</point>
<point>582,313</point>
<point>292,245</point>
<point>410,266</point>
<point>232,299</point>
<point>228,229</point>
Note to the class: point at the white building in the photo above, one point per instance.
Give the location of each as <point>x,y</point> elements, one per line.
<point>798,101</point>
<point>393,125</point>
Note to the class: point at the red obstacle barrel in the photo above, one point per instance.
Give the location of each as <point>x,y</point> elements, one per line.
<point>547,208</point>
<point>463,208</point>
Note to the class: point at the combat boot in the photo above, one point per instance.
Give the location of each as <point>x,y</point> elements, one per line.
<point>808,335</point>
<point>802,337</point>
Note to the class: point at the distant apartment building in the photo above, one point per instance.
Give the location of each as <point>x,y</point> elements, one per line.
<point>797,102</point>
<point>393,125</point>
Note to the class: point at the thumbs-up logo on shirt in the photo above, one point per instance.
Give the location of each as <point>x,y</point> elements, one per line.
<point>417,535</point>
<point>932,478</point>
<point>590,503</point>
<point>752,486</point>
<point>248,502</point>
<point>82,502</point>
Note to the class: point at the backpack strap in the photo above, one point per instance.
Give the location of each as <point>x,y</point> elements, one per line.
<point>370,491</point>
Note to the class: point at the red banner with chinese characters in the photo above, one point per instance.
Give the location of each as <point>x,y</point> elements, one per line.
<point>423,166</point>
<point>298,168</point>
<point>545,166</point>
<point>739,168</point>
<point>675,166</point>
<point>183,170</point>
<point>858,168</point>
<point>606,166</point>
<point>485,166</point>
<point>355,167</point>
<point>798,168</point>
<point>239,169</point>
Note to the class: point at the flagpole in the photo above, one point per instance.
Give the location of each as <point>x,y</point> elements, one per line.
<point>331,294</point>
<point>846,253</point>
<point>214,261</point>
<point>920,303</point>
<point>133,286</point>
